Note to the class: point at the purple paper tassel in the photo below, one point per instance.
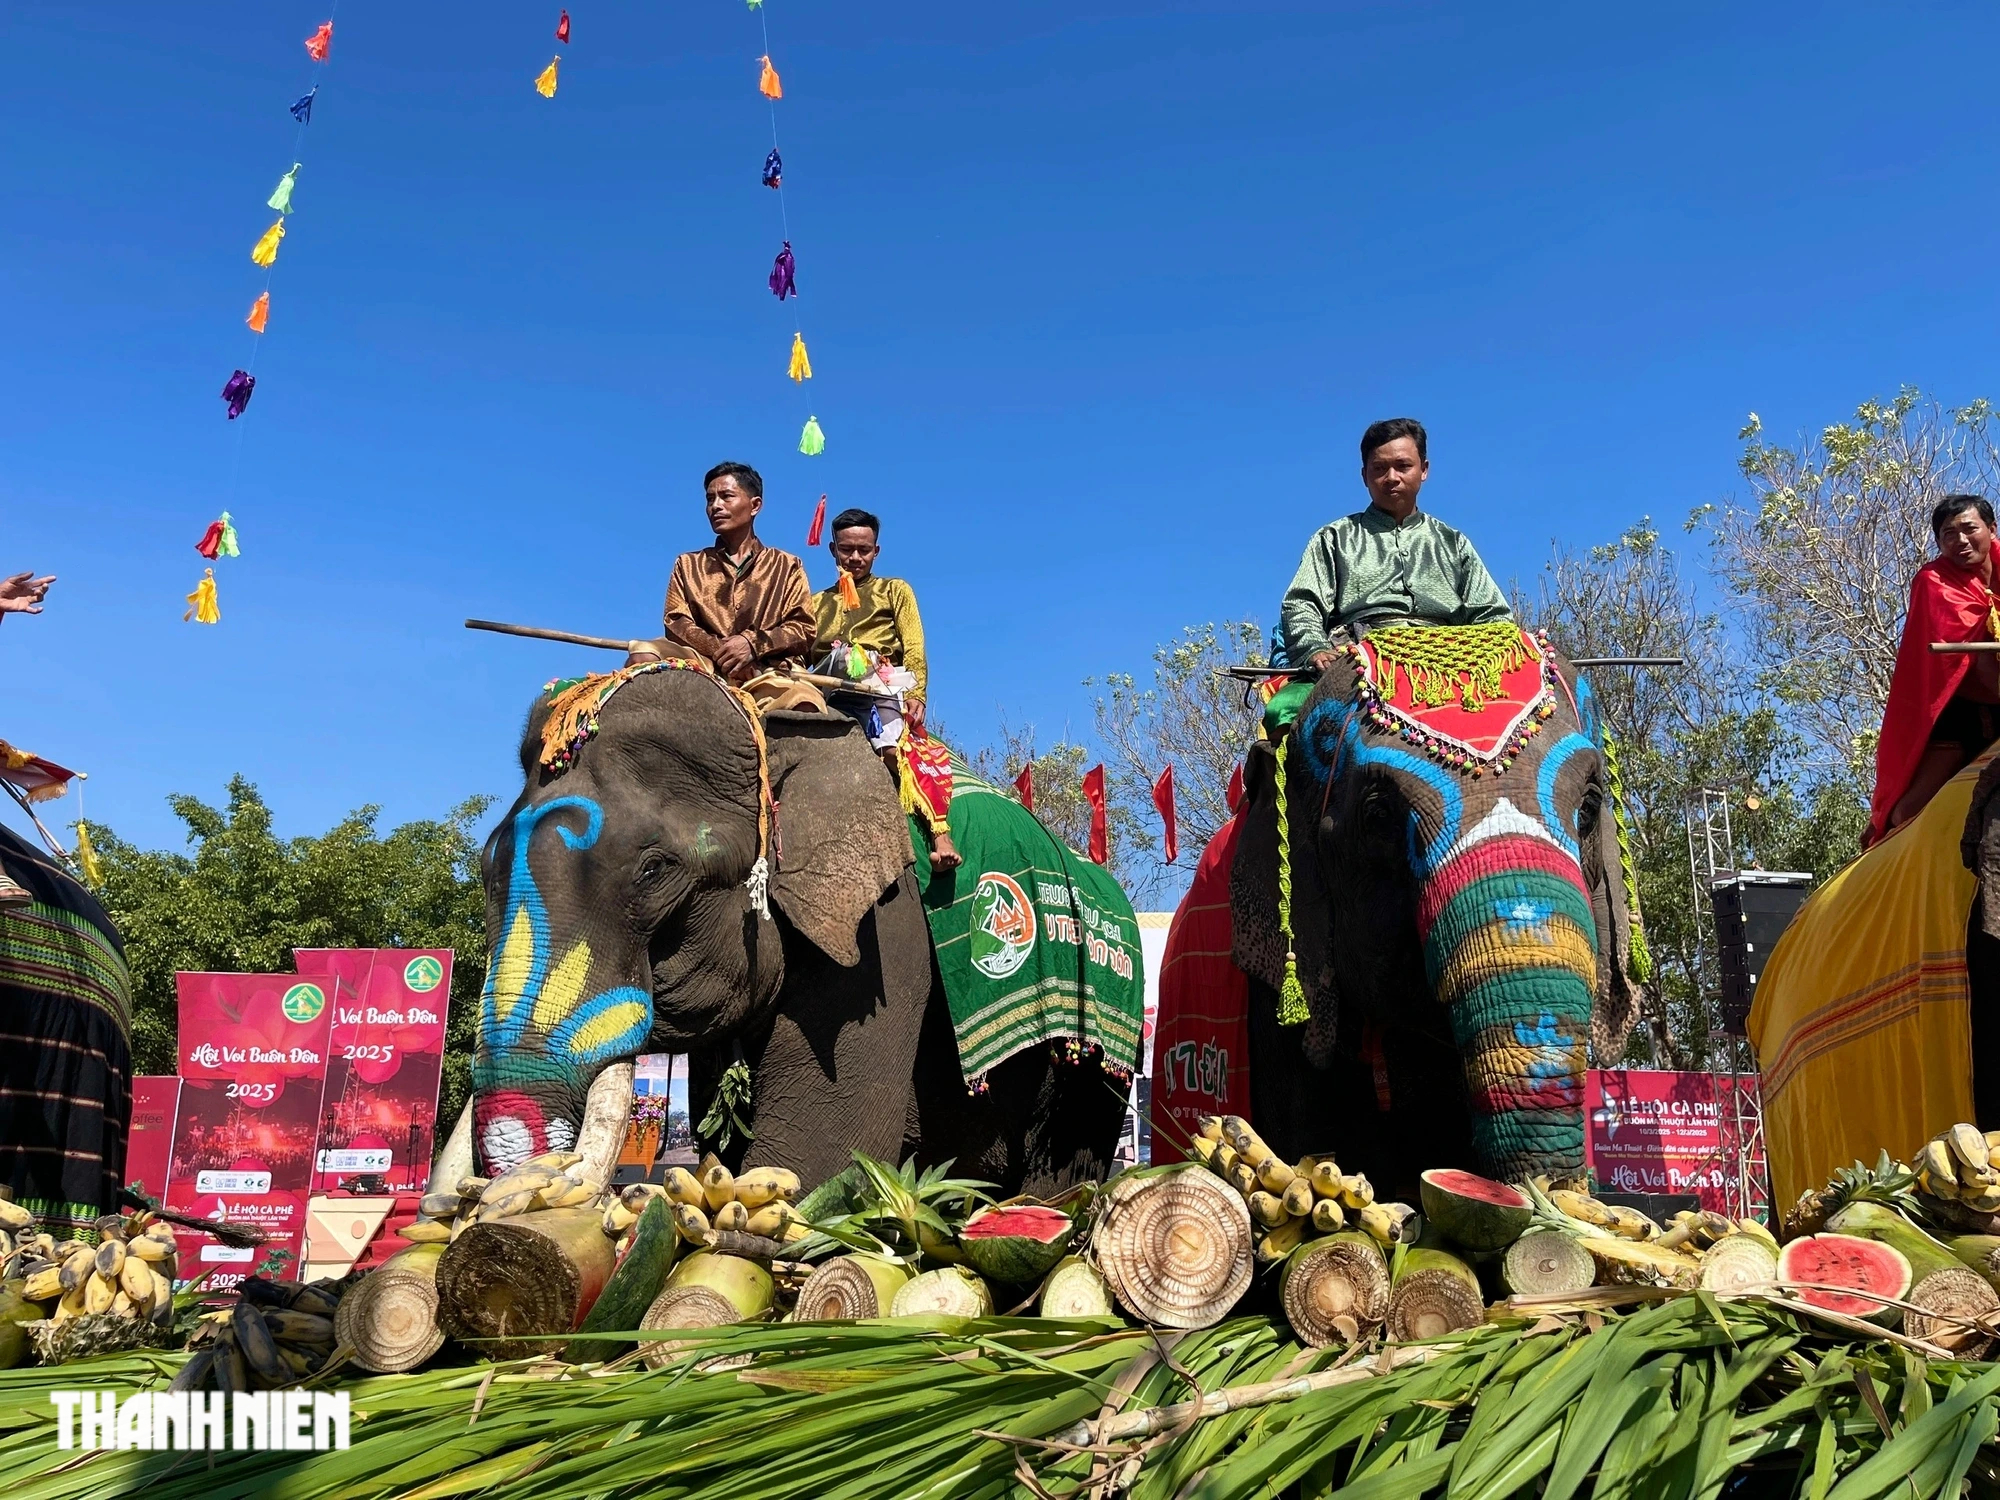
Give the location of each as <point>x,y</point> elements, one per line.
<point>237,392</point>
<point>774,169</point>
<point>784,273</point>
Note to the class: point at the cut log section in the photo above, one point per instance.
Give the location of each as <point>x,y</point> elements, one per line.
<point>389,1318</point>
<point>1546,1260</point>
<point>854,1286</point>
<point>1945,1297</point>
<point>522,1285</point>
<point>1435,1294</point>
<point>1175,1246</point>
<point>1335,1289</point>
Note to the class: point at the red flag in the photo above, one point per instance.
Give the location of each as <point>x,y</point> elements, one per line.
<point>818,527</point>
<point>1100,824</point>
<point>1024,786</point>
<point>562,29</point>
<point>320,42</point>
<point>1163,799</point>
<point>1234,796</point>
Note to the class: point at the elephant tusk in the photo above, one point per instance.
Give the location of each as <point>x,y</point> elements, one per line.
<point>607,1115</point>
<point>455,1160</point>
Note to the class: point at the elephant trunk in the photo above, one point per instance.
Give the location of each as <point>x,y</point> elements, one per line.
<point>1510,946</point>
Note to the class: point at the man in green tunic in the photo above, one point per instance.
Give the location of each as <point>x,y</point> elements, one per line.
<point>1388,562</point>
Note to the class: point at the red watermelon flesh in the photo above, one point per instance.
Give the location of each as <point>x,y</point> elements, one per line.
<point>1842,1260</point>
<point>1479,1213</point>
<point>1016,1243</point>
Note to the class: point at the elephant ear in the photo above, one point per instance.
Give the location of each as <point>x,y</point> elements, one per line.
<point>1623,964</point>
<point>842,838</point>
<point>1981,848</point>
<point>1258,941</point>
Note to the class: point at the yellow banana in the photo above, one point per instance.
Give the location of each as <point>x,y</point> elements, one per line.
<point>1326,1178</point>
<point>136,1277</point>
<point>43,1285</point>
<point>110,1259</point>
<point>1356,1191</point>
<point>684,1187</point>
<point>14,1217</point>
<point>145,1247</point>
<point>425,1232</point>
<point>732,1216</point>
<point>520,1180</point>
<point>770,1220</point>
<point>1281,1241</point>
<point>760,1185</point>
<point>98,1293</point>
<point>1298,1197</point>
<point>1967,1144</point>
<point>691,1223</point>
<point>513,1205</point>
<point>718,1186</point>
<point>1327,1215</point>
<point>618,1218</point>
<point>1267,1209</point>
<point>1274,1176</point>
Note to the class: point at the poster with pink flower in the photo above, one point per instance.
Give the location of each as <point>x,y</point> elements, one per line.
<point>253,1054</point>
<point>378,1118</point>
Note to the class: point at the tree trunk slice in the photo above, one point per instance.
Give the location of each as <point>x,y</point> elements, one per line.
<point>389,1318</point>
<point>1436,1294</point>
<point>1176,1248</point>
<point>1547,1260</point>
<point>1960,1292</point>
<point>1738,1262</point>
<point>854,1286</point>
<point>1335,1289</point>
<point>523,1284</point>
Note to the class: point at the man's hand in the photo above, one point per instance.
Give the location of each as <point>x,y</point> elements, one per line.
<point>1324,660</point>
<point>23,593</point>
<point>913,715</point>
<point>733,658</point>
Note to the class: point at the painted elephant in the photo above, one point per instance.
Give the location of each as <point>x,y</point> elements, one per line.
<point>638,900</point>
<point>65,1046</point>
<point>1460,925</point>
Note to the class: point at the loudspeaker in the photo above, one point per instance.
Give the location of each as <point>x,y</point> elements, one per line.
<point>1752,910</point>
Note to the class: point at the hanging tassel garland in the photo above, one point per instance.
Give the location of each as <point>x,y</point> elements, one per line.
<point>774,169</point>
<point>812,442</point>
<point>818,527</point>
<point>260,312</point>
<point>850,596</point>
<point>281,196</point>
<point>302,107</point>
<point>1292,1007</point>
<point>219,540</point>
<point>236,391</point>
<point>86,856</point>
<point>265,251</point>
<point>767,82</point>
<point>801,369</point>
<point>545,81</point>
<point>320,42</point>
<point>785,274</point>
<point>562,29</point>
<point>201,603</point>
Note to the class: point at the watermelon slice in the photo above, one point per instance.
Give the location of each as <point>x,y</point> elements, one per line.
<point>1843,1260</point>
<point>1478,1213</point>
<point>1016,1243</point>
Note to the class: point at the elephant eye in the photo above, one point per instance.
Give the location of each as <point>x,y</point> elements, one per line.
<point>652,868</point>
<point>1588,810</point>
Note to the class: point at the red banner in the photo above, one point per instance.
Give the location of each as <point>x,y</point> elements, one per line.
<point>385,1055</point>
<point>150,1146</point>
<point>1665,1132</point>
<point>253,1052</point>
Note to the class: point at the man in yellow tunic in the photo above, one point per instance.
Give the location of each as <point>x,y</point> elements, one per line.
<point>879,615</point>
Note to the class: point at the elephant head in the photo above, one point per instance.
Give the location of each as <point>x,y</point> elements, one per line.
<point>1489,882</point>
<point>626,893</point>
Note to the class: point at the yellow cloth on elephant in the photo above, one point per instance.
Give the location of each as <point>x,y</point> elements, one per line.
<point>1862,1020</point>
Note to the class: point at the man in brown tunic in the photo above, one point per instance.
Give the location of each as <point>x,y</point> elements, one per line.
<point>742,606</point>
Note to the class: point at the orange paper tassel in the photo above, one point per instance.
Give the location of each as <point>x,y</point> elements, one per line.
<point>768,84</point>
<point>545,81</point>
<point>260,312</point>
<point>850,596</point>
<point>320,42</point>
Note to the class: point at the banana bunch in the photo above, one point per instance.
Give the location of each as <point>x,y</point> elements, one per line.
<point>712,1199</point>
<point>276,1334</point>
<point>128,1274</point>
<point>1614,1218</point>
<point>551,1180</point>
<point>1292,1201</point>
<point>1963,1166</point>
<point>1692,1232</point>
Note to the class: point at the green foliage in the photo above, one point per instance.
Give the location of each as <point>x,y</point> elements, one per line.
<point>244,898</point>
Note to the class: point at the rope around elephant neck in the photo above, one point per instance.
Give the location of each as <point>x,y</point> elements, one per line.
<point>1292,1007</point>
<point>574,704</point>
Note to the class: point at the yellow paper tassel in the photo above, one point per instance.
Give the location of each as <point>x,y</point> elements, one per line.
<point>86,856</point>
<point>265,251</point>
<point>802,369</point>
<point>545,81</point>
<point>201,603</point>
<point>850,596</point>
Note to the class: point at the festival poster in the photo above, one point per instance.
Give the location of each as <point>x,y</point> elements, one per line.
<point>1653,1131</point>
<point>253,1052</point>
<point>150,1145</point>
<point>378,1119</point>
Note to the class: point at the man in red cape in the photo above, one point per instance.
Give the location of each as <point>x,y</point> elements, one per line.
<point>1944,707</point>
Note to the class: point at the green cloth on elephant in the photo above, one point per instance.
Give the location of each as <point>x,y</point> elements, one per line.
<point>1035,943</point>
<point>1366,568</point>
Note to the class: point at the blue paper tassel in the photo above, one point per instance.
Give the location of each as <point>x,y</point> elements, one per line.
<point>774,169</point>
<point>302,108</point>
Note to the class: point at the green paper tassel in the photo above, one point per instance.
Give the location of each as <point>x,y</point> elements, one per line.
<point>226,547</point>
<point>1292,1007</point>
<point>281,198</point>
<point>812,442</point>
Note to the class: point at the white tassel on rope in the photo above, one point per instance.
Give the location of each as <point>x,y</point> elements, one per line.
<point>759,887</point>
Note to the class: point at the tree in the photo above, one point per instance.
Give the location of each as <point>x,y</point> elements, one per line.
<point>1820,565</point>
<point>244,898</point>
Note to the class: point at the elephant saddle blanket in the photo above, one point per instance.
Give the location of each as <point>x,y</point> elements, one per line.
<point>1468,696</point>
<point>1862,1017</point>
<point>1036,944</point>
<point>1201,1042</point>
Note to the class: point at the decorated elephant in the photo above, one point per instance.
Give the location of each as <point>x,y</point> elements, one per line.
<point>65,1045</point>
<point>681,873</point>
<point>1429,899</point>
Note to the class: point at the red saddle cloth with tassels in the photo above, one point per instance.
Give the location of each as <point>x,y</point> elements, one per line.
<point>1469,696</point>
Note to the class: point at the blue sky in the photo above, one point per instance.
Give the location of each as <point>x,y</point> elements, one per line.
<point>1099,295</point>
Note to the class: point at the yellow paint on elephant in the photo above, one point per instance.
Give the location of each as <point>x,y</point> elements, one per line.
<point>512,965</point>
<point>563,988</point>
<point>1492,1055</point>
<point>614,1022</point>
<point>1499,950</point>
<point>1862,1018</point>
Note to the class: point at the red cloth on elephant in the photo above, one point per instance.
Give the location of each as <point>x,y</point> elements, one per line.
<point>1946,604</point>
<point>1201,1039</point>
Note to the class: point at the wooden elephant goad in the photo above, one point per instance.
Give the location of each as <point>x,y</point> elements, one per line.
<point>1461,924</point>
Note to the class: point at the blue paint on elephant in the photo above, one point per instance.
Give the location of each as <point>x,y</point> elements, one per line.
<point>1559,755</point>
<point>1330,737</point>
<point>1586,709</point>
